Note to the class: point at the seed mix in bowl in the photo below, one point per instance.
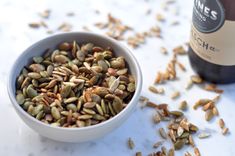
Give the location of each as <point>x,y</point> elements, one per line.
<point>75,85</point>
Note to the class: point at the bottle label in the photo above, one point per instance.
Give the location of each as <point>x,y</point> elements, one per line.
<point>212,37</point>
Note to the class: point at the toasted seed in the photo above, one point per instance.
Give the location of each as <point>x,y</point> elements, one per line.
<point>98,117</point>
<point>175,95</point>
<point>162,133</point>
<point>131,87</point>
<point>72,107</point>
<point>55,113</point>
<point>171,152</point>
<point>196,79</point>
<point>221,123</point>
<point>204,135</point>
<point>99,109</point>
<point>183,105</point>
<point>187,154</point>
<point>103,65</point>
<point>215,111</point>
<point>131,143</point>
<point>70,100</point>
<point>89,104</point>
<point>65,91</point>
<point>180,131</point>
<point>209,105</point>
<point>34,75</point>
<point>201,102</point>
<point>61,59</point>
<point>117,104</point>
<point>158,144</point>
<point>122,71</point>
<point>36,68</point>
<point>157,118</point>
<point>20,99</point>
<point>31,92</point>
<point>189,84</point>
<point>37,109</point>
<point>197,152</point>
<point>89,111</point>
<point>84,117</point>
<point>65,46</point>
<point>225,131</point>
<point>179,144</point>
<point>191,142</point>
<point>114,85</point>
<point>176,113</point>
<point>51,84</point>
<point>209,115</point>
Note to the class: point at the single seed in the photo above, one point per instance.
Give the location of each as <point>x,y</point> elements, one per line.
<point>162,133</point>
<point>221,123</point>
<point>225,131</point>
<point>171,152</point>
<point>55,113</point>
<point>179,144</point>
<point>183,105</point>
<point>196,79</point>
<point>138,154</point>
<point>175,95</point>
<point>204,135</point>
<point>197,152</point>
<point>20,99</point>
<point>209,115</point>
<point>131,144</point>
<point>158,144</point>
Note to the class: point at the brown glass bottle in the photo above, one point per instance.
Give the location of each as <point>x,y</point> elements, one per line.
<point>212,41</point>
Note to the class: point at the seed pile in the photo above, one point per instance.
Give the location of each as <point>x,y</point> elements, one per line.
<point>116,29</point>
<point>75,85</point>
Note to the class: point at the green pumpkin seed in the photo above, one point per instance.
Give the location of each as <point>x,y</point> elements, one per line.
<point>27,104</point>
<point>103,65</point>
<point>70,100</point>
<point>34,75</point>
<point>131,87</point>
<point>80,123</point>
<point>36,68</point>
<point>103,106</point>
<point>55,113</point>
<point>20,80</point>
<point>65,91</point>
<point>37,59</point>
<point>122,71</point>
<point>80,55</point>
<point>61,59</point>
<point>89,111</point>
<point>37,109</point>
<point>20,98</point>
<point>117,104</point>
<point>99,109</point>
<point>30,109</point>
<point>65,46</point>
<point>179,144</point>
<point>84,117</point>
<point>89,104</point>
<point>98,117</point>
<point>162,133</point>
<point>40,115</point>
<point>31,92</point>
<point>72,107</point>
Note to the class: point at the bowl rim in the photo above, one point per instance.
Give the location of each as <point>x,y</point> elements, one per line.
<point>103,37</point>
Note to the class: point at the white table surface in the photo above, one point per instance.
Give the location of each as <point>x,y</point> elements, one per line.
<point>15,36</point>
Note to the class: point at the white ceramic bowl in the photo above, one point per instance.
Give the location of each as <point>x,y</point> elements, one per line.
<point>74,134</point>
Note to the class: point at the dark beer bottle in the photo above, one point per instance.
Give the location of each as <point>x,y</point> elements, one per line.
<point>212,41</point>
